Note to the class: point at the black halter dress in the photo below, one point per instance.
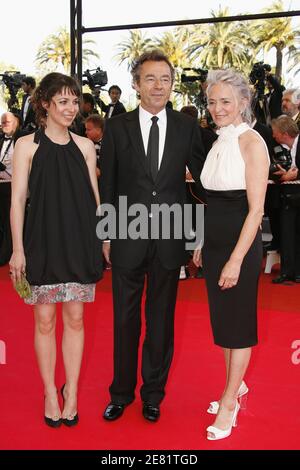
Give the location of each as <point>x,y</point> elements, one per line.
<point>63,253</point>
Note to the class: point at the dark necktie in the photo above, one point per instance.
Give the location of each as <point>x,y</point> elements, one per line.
<point>152,150</point>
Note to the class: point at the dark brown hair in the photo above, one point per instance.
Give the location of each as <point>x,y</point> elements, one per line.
<point>50,85</point>
<point>155,55</point>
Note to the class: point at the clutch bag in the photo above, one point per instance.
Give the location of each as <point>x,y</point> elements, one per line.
<point>23,287</point>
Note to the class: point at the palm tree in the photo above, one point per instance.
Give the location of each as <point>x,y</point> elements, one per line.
<point>294,55</point>
<point>133,47</point>
<point>174,44</point>
<point>55,50</point>
<point>277,33</point>
<point>224,44</point>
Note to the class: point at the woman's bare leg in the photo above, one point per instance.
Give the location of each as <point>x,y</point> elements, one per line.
<point>45,348</point>
<point>72,348</point>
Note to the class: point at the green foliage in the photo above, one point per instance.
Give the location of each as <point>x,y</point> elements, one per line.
<point>277,33</point>
<point>134,46</point>
<point>220,45</point>
<point>55,51</point>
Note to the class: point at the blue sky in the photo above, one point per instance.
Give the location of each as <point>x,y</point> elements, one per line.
<point>24,26</point>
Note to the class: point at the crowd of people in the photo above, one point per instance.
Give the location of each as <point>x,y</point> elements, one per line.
<point>60,153</point>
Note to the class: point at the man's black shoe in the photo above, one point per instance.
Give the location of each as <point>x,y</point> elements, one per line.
<point>150,412</point>
<point>282,279</point>
<point>113,411</point>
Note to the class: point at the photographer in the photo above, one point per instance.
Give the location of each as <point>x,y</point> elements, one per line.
<point>274,97</point>
<point>9,123</point>
<point>94,129</point>
<point>285,131</point>
<point>290,105</point>
<point>27,111</point>
<point>272,200</point>
<point>200,99</point>
<point>115,107</point>
<point>13,81</point>
<point>87,107</point>
<point>265,106</point>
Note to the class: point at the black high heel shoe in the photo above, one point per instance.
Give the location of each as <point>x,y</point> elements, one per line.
<point>66,421</point>
<point>53,423</point>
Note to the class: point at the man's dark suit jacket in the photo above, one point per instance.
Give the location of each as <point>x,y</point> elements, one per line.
<point>19,133</point>
<point>293,188</point>
<point>124,172</point>
<point>30,116</point>
<point>119,108</point>
<point>275,97</point>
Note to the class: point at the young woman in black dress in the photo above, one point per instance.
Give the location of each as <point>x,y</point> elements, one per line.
<point>60,254</point>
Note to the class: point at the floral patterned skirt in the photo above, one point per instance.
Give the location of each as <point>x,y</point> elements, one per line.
<point>54,293</point>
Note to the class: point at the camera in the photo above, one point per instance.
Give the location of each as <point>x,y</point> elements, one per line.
<point>95,80</point>
<point>201,77</point>
<point>257,76</point>
<point>13,80</point>
<point>258,72</point>
<point>283,158</point>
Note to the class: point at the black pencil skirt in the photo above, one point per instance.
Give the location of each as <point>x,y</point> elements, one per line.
<point>233,312</point>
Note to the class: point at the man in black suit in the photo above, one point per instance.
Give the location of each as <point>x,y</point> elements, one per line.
<point>9,125</point>
<point>94,128</point>
<point>115,107</point>
<point>27,111</point>
<point>144,157</point>
<point>290,106</point>
<point>285,131</point>
<point>272,201</point>
<point>274,96</point>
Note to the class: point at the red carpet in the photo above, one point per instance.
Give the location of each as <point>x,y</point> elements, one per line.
<point>270,421</point>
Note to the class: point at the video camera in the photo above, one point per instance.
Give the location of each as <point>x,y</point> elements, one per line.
<point>257,76</point>
<point>13,80</point>
<point>281,157</point>
<point>95,80</point>
<point>201,77</point>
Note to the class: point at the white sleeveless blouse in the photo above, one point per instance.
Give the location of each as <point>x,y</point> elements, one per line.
<point>224,167</point>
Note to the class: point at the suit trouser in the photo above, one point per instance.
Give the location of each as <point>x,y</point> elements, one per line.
<point>5,231</point>
<point>290,241</point>
<point>272,210</point>
<point>158,347</point>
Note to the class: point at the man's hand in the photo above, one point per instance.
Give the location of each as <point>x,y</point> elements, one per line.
<point>290,175</point>
<point>281,171</point>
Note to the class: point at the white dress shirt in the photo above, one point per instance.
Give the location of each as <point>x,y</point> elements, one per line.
<point>26,106</point>
<point>111,110</point>
<point>294,151</point>
<point>6,156</point>
<point>146,123</point>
